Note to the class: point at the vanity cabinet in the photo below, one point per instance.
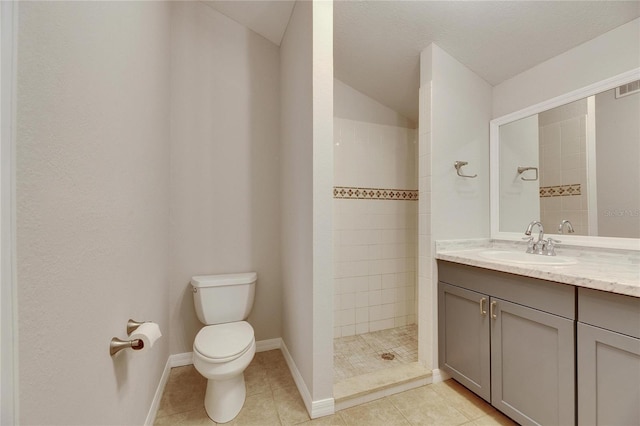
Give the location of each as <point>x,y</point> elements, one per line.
<point>465,342</point>
<point>511,340</point>
<point>608,358</point>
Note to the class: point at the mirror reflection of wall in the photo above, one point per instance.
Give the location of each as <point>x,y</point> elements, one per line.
<point>617,123</point>
<point>588,156</point>
<point>563,168</point>
<point>519,200</point>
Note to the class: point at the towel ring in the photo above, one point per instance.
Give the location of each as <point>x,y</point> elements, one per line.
<point>521,170</point>
<point>458,165</point>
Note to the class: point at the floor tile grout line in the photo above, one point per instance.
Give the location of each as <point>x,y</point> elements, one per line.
<point>452,394</point>
<point>430,386</point>
<point>401,413</point>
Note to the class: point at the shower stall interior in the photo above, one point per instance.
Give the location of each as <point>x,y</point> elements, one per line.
<point>375,213</point>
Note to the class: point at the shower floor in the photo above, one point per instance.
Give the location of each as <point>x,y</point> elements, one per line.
<point>363,353</point>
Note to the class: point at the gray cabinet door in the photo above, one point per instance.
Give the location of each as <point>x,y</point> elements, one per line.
<point>608,377</point>
<point>532,365</point>
<point>464,342</point>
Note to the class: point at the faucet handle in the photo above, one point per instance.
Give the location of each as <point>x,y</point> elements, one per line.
<point>530,244</point>
<point>551,246</point>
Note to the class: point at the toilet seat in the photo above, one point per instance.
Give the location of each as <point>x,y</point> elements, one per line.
<point>224,342</point>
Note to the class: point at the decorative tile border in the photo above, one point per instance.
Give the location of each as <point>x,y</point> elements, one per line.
<point>374,193</point>
<point>560,190</point>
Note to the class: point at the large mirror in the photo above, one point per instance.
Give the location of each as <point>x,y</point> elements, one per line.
<point>576,159</point>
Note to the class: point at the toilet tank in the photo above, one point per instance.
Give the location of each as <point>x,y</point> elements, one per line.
<point>223,298</point>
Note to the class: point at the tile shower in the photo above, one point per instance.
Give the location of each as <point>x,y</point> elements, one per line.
<point>563,167</point>
<point>375,229</point>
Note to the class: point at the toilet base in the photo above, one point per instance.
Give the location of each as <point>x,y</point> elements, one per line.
<point>224,398</point>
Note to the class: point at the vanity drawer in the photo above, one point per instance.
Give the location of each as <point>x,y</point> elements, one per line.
<point>548,296</point>
<point>615,312</point>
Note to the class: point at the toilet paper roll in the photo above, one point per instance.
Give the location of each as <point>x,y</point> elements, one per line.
<point>148,332</point>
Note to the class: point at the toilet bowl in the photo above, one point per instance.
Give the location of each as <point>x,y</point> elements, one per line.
<point>221,353</point>
<point>224,348</point>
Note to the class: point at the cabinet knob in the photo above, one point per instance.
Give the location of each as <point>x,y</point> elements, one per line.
<point>483,310</point>
<point>493,306</point>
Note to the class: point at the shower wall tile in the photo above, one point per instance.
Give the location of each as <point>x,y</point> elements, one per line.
<point>374,156</point>
<point>563,153</point>
<point>375,240</point>
<point>348,330</point>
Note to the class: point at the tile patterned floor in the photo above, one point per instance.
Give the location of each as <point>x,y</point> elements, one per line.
<point>273,399</point>
<point>361,354</point>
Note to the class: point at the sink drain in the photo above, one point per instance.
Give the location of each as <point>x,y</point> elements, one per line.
<point>388,356</point>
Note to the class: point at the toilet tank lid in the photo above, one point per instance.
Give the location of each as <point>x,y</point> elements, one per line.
<point>221,280</point>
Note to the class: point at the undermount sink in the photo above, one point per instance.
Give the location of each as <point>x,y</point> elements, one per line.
<point>526,258</point>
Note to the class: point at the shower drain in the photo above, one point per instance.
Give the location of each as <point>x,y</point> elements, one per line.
<point>388,356</point>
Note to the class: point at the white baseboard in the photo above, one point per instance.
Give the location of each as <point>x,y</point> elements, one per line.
<point>320,408</point>
<point>186,358</point>
<point>268,345</point>
<point>180,360</point>
<point>323,407</point>
<point>297,378</point>
<point>155,403</point>
<point>439,375</point>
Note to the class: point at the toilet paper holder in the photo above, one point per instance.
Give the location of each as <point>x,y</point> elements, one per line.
<point>116,344</point>
<point>133,325</point>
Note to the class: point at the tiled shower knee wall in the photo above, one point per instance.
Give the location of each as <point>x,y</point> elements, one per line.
<point>375,229</point>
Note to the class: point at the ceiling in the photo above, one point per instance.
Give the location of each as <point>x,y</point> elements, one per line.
<point>377,44</point>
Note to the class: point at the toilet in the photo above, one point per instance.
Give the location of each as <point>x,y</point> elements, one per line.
<point>223,349</point>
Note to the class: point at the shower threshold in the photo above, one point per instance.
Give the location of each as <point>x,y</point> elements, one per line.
<point>376,364</point>
<point>370,386</point>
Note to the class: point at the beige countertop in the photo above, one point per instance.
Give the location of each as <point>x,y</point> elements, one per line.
<point>615,271</point>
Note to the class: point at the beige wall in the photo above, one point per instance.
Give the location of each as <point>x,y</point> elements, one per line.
<point>461,110</point>
<point>608,55</point>
<point>92,207</point>
<point>306,66</point>
<point>351,104</point>
<point>296,113</point>
<point>148,152</point>
<point>455,108</point>
<point>224,164</point>
<point>322,331</point>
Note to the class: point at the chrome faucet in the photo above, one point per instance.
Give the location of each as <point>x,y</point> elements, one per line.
<point>569,227</point>
<point>542,246</point>
<point>539,246</point>
<point>530,228</point>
